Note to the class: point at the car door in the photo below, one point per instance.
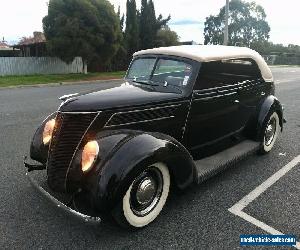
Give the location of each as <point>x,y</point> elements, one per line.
<point>252,88</point>
<point>214,111</point>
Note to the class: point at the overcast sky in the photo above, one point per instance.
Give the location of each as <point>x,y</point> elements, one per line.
<point>20,18</point>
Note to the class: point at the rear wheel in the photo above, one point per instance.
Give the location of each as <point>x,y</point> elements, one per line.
<point>270,133</point>
<point>145,197</point>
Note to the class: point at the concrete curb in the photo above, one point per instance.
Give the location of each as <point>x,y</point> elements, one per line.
<point>55,84</point>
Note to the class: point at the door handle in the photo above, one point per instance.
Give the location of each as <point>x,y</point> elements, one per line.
<point>236,101</point>
<point>263,93</point>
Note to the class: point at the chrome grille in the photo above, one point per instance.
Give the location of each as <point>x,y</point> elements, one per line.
<point>137,116</point>
<point>69,130</point>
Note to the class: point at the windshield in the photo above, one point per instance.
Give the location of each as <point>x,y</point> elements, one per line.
<point>160,71</point>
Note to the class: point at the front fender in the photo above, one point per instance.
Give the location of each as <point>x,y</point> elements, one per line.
<point>134,151</point>
<point>271,103</point>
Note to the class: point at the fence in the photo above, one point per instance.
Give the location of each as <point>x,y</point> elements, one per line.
<point>38,65</point>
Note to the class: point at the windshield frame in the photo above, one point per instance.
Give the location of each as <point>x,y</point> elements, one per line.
<point>186,90</point>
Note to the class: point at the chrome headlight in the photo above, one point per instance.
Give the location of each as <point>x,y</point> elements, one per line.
<point>48,131</point>
<point>89,155</point>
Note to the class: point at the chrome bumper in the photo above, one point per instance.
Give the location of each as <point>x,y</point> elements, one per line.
<point>86,218</point>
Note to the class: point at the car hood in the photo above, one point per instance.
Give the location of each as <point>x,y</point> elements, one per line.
<point>125,95</point>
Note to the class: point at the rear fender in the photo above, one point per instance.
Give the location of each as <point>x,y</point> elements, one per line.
<point>271,103</point>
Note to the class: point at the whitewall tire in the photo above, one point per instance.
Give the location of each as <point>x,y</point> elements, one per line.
<point>145,197</point>
<point>270,133</point>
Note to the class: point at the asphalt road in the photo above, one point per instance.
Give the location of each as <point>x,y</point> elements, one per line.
<point>198,218</point>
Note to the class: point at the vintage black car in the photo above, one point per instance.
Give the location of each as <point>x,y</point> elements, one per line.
<point>181,115</point>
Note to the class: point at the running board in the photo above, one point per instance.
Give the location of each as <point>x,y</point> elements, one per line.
<point>209,166</point>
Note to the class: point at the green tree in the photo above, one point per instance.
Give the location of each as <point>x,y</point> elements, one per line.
<point>131,30</point>
<point>247,25</point>
<point>166,37</point>
<point>121,19</point>
<point>86,28</point>
<point>149,24</point>
<point>120,61</point>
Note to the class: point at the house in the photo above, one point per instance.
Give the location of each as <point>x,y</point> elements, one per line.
<point>33,46</point>
<point>6,50</point>
<point>3,44</point>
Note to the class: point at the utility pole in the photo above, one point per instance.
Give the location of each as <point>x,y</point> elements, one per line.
<point>226,23</point>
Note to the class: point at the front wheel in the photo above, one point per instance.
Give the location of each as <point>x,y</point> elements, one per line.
<point>145,197</point>
<point>270,133</point>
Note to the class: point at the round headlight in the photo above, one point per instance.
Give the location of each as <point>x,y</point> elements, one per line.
<point>48,131</point>
<point>89,155</point>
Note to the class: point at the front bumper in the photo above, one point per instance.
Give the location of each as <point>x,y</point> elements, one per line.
<point>83,217</point>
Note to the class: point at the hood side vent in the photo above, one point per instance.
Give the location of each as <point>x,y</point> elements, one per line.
<point>137,116</point>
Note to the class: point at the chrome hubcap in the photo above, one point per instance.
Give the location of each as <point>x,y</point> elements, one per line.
<point>146,191</point>
<point>270,131</point>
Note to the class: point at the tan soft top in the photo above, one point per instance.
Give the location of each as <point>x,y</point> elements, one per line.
<point>207,53</point>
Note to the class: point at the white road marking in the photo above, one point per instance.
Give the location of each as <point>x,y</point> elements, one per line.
<point>245,201</point>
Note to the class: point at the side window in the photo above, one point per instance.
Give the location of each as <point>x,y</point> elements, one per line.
<point>226,72</point>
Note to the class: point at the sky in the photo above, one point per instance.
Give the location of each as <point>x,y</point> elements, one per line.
<point>20,18</point>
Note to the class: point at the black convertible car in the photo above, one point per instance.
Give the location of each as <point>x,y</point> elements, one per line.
<point>118,150</point>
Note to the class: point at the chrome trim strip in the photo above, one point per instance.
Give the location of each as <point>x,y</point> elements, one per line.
<point>205,94</point>
<point>227,87</point>
<point>75,151</point>
<point>129,123</point>
<point>231,86</point>
<point>65,97</point>
<point>49,145</point>
<point>135,111</point>
<point>84,217</point>
<point>214,97</point>
<point>187,117</point>
<point>49,116</point>
<point>70,112</point>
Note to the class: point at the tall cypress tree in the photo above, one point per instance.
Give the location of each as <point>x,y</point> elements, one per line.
<point>119,61</point>
<point>131,30</point>
<point>149,24</point>
<point>144,25</point>
<point>121,18</point>
<point>153,24</point>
